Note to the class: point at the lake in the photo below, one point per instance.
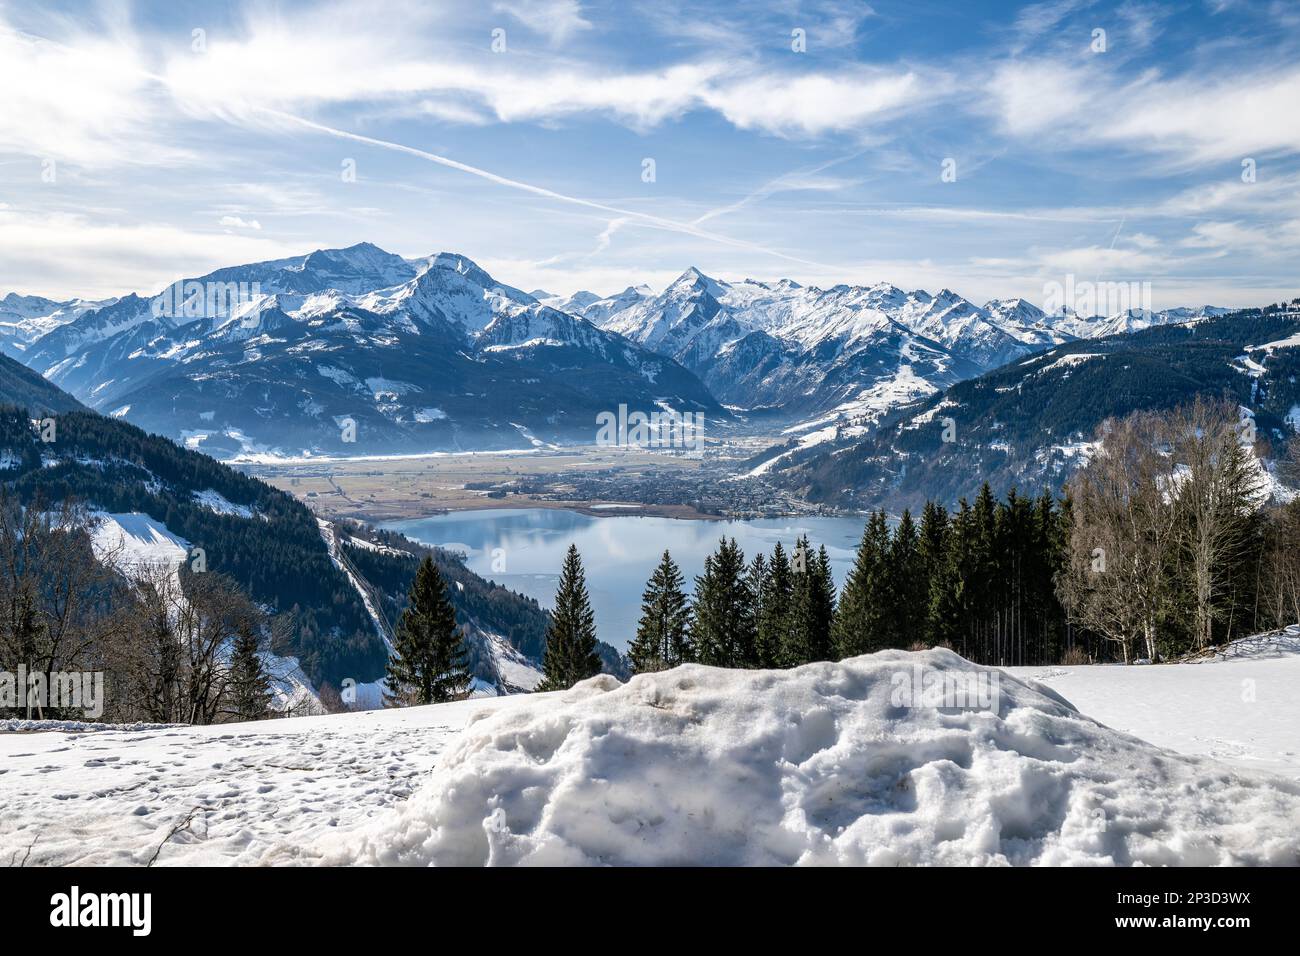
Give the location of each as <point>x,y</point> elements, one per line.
<point>523,548</point>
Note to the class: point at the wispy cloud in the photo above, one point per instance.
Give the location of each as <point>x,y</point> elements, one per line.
<point>1186,120</point>
<point>557,20</point>
<point>85,99</point>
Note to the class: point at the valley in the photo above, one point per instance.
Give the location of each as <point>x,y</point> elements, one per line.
<point>584,478</point>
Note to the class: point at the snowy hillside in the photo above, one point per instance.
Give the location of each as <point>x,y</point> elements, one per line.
<point>1028,424</point>
<point>822,764</point>
<point>1237,707</point>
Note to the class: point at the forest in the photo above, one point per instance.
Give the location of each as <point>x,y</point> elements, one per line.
<point>1167,543</point>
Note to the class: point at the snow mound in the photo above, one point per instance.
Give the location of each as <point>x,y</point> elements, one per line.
<point>823,764</point>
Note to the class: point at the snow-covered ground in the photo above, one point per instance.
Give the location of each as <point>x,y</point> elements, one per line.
<point>822,764</point>
<point>1242,708</point>
<point>113,797</point>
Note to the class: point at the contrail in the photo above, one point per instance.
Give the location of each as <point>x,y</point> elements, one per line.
<point>658,222</point>
<point>780,184</point>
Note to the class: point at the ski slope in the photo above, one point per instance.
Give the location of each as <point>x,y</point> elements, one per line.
<point>700,765</point>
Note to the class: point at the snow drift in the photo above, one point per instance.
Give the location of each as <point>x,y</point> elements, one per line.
<point>823,764</point>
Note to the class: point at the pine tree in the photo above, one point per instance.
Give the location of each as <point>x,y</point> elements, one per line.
<point>823,606</point>
<point>948,586</point>
<point>662,637</point>
<point>908,588</point>
<point>982,557</point>
<point>571,638</point>
<point>249,686</point>
<point>932,557</point>
<point>773,611</point>
<point>1046,561</point>
<point>812,607</point>
<point>756,581</point>
<point>723,628</point>
<point>862,623</point>
<point>428,665</point>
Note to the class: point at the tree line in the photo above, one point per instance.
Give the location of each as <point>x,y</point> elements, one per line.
<point>174,646</point>
<point>1164,544</point>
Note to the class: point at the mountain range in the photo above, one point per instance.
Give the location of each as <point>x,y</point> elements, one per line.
<point>354,351</point>
<point>360,351</point>
<point>838,352</point>
<point>1029,423</point>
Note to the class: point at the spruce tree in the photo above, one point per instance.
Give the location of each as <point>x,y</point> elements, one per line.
<point>948,620</point>
<point>723,628</point>
<point>428,665</point>
<point>822,591</point>
<point>248,686</point>
<point>812,607</point>
<point>862,622</point>
<point>571,637</point>
<point>662,637</point>
<point>773,611</point>
<point>756,581</point>
<point>908,589</point>
<point>982,558</point>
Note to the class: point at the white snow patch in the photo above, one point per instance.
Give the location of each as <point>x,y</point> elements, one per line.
<point>820,765</point>
<point>132,541</point>
<point>1070,361</point>
<point>515,669</point>
<point>215,501</point>
<point>1201,707</point>
<point>112,796</point>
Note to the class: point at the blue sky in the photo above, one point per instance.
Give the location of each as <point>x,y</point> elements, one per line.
<point>135,150</point>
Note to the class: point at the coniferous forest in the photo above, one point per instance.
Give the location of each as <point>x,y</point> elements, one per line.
<point>1167,543</point>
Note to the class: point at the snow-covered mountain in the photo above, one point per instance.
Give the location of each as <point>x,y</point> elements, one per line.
<point>433,353</point>
<point>804,350</point>
<point>26,318</point>
<point>1030,423</point>
<point>445,357</point>
<point>836,352</point>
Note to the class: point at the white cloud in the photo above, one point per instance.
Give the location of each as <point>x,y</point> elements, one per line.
<point>557,20</point>
<point>1037,96</point>
<point>816,103</point>
<point>1260,241</point>
<point>61,255</point>
<point>238,223</point>
<point>298,65</point>
<point>1189,119</point>
<point>85,99</point>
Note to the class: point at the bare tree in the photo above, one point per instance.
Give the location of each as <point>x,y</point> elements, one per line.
<point>1116,581</point>
<point>53,591</point>
<point>1280,590</point>
<point>1218,489</point>
<point>173,664</point>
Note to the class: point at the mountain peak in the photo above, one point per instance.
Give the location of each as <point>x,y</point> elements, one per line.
<point>455,262</point>
<point>694,279</point>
